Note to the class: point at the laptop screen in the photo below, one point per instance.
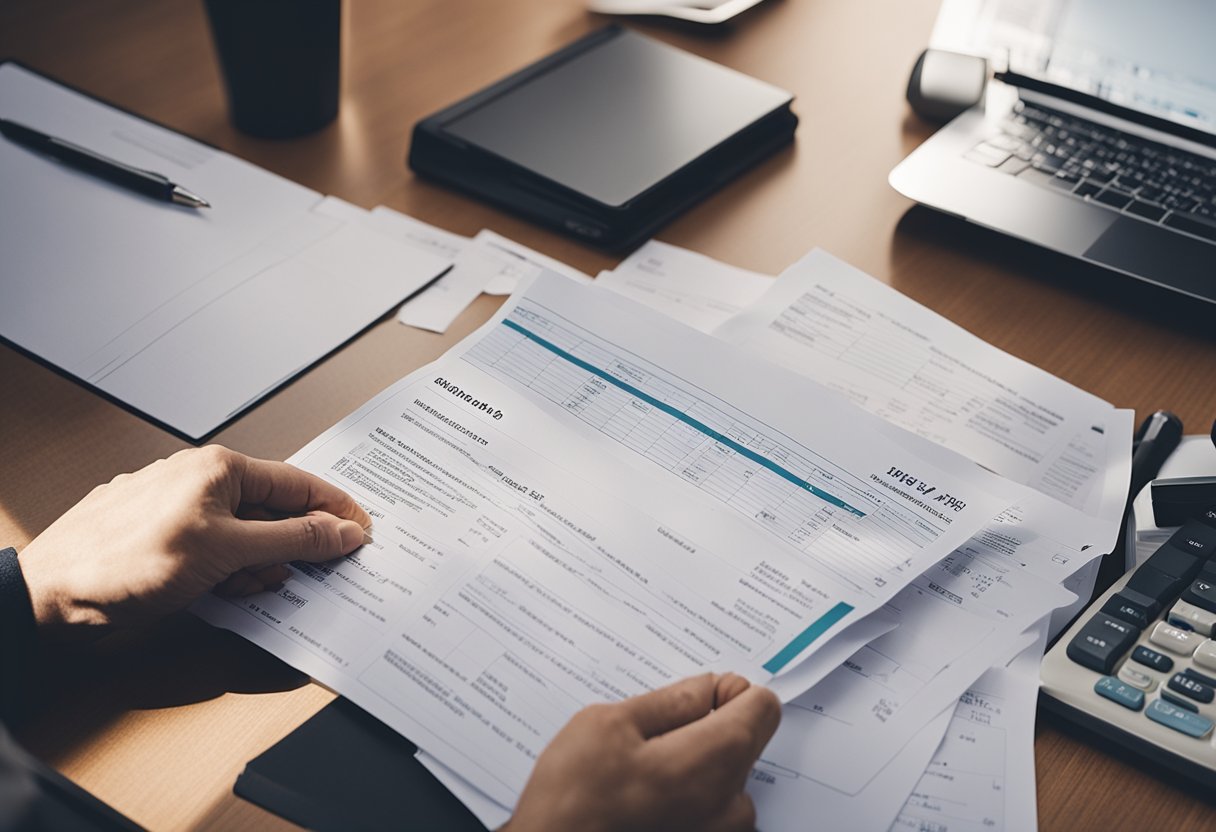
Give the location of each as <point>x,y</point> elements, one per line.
<point>1154,57</point>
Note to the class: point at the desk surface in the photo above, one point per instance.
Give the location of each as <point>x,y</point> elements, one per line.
<point>159,724</point>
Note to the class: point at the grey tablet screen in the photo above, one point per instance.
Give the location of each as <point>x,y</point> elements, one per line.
<point>616,120</point>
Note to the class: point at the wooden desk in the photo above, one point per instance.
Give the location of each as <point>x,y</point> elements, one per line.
<point>159,724</point>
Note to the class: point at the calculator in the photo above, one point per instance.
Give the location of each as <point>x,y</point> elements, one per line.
<point>1139,666</point>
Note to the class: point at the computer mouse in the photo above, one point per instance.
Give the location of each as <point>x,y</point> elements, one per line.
<point>944,84</point>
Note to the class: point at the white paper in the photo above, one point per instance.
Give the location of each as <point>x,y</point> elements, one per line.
<point>982,776</point>
<point>785,798</point>
<point>274,323</point>
<point>789,802</point>
<point>492,815</point>
<point>441,242</point>
<point>1195,456</point>
<point>906,363</point>
<point>520,263</point>
<point>604,502</point>
<point>955,619</point>
<point>189,315</point>
<point>682,284</point>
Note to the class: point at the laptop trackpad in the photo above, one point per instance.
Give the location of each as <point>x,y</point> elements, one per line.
<point>1161,256</point>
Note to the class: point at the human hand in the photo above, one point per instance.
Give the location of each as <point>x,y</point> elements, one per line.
<point>675,758</point>
<point>151,542</point>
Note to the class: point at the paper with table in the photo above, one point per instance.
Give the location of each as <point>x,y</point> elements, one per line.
<point>837,325</point>
<point>684,285</point>
<point>585,500</point>
<point>188,316</point>
<point>583,373</point>
<point>970,767</point>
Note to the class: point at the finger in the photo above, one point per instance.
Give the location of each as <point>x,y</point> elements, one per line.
<point>271,575</point>
<point>740,816</point>
<point>316,536</point>
<point>238,585</point>
<point>728,686</point>
<point>729,740</point>
<point>282,487</point>
<point>670,707</point>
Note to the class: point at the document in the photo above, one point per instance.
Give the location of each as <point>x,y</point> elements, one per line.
<point>811,669</point>
<point>982,776</point>
<point>784,799</point>
<point>186,315</point>
<point>899,360</point>
<point>949,746</point>
<point>520,264</point>
<point>956,619</point>
<point>585,500</point>
<point>682,284</point>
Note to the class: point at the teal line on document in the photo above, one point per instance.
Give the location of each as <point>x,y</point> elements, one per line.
<point>686,419</point>
<point>820,626</point>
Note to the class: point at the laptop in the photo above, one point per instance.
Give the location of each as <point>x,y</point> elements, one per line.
<point>1096,139</point>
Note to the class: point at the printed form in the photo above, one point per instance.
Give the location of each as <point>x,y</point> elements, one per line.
<point>909,365</point>
<point>970,767</point>
<point>841,327</point>
<point>585,500</point>
<point>685,285</point>
<point>982,777</point>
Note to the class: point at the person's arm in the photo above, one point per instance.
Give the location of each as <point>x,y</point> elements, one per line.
<point>143,545</point>
<point>18,632</point>
<point>151,542</point>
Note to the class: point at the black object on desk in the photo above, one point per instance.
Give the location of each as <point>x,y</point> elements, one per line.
<point>345,771</point>
<point>281,61</point>
<point>1154,441</point>
<point>606,139</point>
<point>1139,669</point>
<point>132,178</point>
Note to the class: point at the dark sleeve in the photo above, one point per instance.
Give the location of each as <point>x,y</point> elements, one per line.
<point>34,797</point>
<point>18,635</point>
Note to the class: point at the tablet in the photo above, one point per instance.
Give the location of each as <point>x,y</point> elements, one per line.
<point>606,139</point>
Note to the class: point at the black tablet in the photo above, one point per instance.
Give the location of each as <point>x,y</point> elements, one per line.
<point>606,139</point>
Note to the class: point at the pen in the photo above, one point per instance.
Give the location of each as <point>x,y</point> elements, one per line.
<point>1155,440</point>
<point>141,181</point>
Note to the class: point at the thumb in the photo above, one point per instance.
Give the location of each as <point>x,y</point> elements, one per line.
<point>666,709</point>
<point>316,536</point>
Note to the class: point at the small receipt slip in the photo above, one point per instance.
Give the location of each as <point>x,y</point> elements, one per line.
<point>188,317</point>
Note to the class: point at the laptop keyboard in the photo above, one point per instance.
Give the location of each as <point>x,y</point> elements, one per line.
<point>1126,173</point>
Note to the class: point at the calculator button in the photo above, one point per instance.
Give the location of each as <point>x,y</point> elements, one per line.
<point>1156,584</point>
<point>1192,617</point>
<point>1192,673</point>
<point>1133,607</point>
<point>1174,717</point>
<point>1179,702</point>
<point>1205,655</point>
<point>1157,661</point>
<point>1197,538</point>
<point>1181,683</point>
<point>1201,593</point>
<point>1101,642</point>
<point>1176,561</point>
<point>1207,517</point>
<point>1182,642</point>
<point>1123,694</point>
<point>1136,678</point>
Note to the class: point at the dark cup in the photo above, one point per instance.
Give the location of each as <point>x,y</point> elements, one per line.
<point>281,63</point>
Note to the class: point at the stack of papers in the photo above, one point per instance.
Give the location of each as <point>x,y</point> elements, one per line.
<point>187,316</point>
<point>838,494</point>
